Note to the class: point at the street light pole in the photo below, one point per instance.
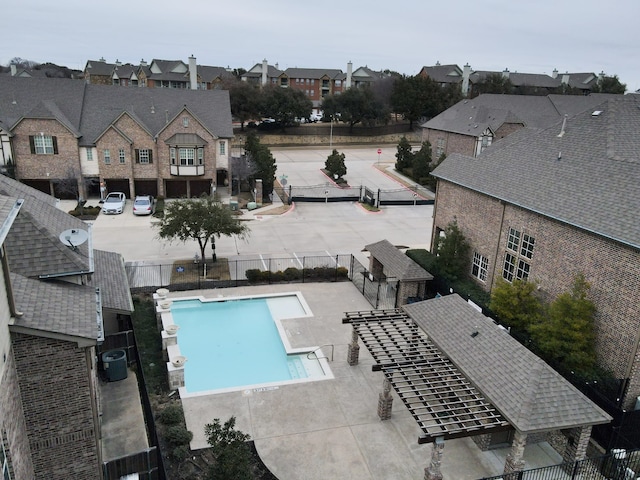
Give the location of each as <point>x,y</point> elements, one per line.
<point>331,135</point>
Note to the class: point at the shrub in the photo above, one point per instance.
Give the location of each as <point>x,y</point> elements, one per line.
<point>343,272</point>
<point>276,276</point>
<point>292,273</point>
<point>178,435</point>
<point>171,415</point>
<point>180,453</point>
<point>253,275</point>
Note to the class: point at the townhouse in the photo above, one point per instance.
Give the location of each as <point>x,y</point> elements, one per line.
<point>551,203</point>
<point>170,142</point>
<point>58,297</point>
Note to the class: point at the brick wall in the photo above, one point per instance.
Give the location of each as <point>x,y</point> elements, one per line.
<point>45,167</point>
<point>453,142</point>
<point>58,407</point>
<point>13,428</point>
<point>560,253</point>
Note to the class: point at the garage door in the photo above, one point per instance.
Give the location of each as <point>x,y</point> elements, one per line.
<point>118,185</point>
<point>146,187</point>
<point>199,187</point>
<point>42,185</point>
<point>176,188</point>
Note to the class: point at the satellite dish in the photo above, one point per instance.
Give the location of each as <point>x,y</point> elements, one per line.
<point>74,237</point>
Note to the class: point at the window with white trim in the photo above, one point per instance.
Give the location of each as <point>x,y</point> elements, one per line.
<point>145,156</point>
<point>187,156</point>
<point>121,156</point>
<point>223,148</point>
<point>89,154</point>
<point>519,250</point>
<point>4,461</point>
<point>172,155</point>
<point>43,144</point>
<point>185,121</point>
<point>107,156</point>
<point>439,147</point>
<point>480,266</point>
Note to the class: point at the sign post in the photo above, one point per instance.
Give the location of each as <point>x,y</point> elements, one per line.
<point>379,152</point>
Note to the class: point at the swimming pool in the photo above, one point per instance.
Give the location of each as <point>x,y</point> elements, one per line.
<point>240,343</point>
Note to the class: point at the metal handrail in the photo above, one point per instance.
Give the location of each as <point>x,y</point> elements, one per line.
<point>317,357</point>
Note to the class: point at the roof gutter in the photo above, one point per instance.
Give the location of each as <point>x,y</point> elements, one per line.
<point>8,222</point>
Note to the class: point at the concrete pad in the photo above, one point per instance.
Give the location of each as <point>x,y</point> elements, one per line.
<point>123,426</point>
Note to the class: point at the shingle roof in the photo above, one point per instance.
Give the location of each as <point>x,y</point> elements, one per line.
<point>473,116</point>
<point>396,264</point>
<point>444,73</point>
<point>111,277</point>
<point>99,67</point>
<point>527,391</point>
<point>313,73</point>
<point>56,307</point>
<point>589,177</point>
<point>208,73</point>
<point>33,244</point>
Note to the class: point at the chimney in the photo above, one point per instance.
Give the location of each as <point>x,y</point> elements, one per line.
<point>14,70</point>
<point>466,73</point>
<point>565,79</point>
<point>349,73</point>
<point>193,73</point>
<point>118,63</point>
<point>143,63</point>
<point>265,67</point>
<point>505,73</point>
<point>554,74</point>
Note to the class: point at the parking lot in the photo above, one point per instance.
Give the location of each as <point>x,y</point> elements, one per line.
<point>332,228</point>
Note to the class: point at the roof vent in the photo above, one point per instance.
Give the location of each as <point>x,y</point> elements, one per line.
<point>564,125</point>
<point>596,113</point>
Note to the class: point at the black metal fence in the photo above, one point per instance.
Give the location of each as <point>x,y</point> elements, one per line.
<point>190,275</point>
<point>380,294</point>
<point>618,465</point>
<point>144,464</point>
<point>415,195</point>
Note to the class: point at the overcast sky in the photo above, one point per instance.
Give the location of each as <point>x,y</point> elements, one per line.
<point>524,36</point>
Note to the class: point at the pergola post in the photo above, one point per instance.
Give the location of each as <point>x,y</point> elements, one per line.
<point>576,448</point>
<point>385,401</point>
<point>515,458</point>
<point>433,472</point>
<point>353,351</point>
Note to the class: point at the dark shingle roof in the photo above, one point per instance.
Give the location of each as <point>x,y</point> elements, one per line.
<point>313,73</point>
<point>111,277</point>
<point>589,177</point>
<point>99,67</point>
<point>527,391</point>
<point>56,307</point>
<point>444,73</point>
<point>397,264</point>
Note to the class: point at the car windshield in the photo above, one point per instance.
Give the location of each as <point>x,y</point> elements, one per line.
<point>113,199</point>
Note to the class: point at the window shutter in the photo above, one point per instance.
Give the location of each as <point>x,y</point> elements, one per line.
<point>32,145</point>
<point>55,145</point>
<point>150,156</point>
<point>137,155</point>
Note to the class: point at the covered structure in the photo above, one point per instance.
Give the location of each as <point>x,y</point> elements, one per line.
<point>460,374</point>
<point>407,278</point>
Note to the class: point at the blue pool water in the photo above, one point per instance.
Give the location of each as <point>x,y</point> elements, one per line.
<point>235,343</point>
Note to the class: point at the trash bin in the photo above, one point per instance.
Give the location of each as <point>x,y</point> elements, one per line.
<point>115,365</point>
<point>234,205</point>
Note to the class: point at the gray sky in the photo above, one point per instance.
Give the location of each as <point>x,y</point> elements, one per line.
<point>529,37</point>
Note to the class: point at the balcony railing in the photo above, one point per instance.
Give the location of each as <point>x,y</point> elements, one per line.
<point>187,170</point>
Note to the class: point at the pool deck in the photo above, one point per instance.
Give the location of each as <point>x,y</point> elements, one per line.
<point>330,428</point>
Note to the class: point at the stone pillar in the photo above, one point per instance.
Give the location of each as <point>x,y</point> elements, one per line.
<point>385,401</point>
<point>515,458</point>
<point>577,442</point>
<point>353,351</point>
<point>432,472</point>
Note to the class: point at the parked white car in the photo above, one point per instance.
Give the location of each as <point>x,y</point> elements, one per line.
<point>144,205</point>
<point>114,203</point>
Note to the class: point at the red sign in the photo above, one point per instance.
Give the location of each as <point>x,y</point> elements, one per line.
<point>379,151</point>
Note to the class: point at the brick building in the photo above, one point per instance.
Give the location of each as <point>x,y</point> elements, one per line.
<point>65,137</point>
<point>550,204</point>
<point>54,310</point>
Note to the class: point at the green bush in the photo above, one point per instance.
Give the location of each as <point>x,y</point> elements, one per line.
<point>171,415</point>
<point>291,274</point>
<point>178,435</point>
<point>343,272</point>
<point>276,276</point>
<point>180,453</point>
<point>253,275</point>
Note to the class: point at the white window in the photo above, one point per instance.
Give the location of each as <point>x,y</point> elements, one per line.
<point>513,240</point>
<point>200,156</point>
<point>89,154</point>
<point>43,144</point>
<point>185,121</point>
<point>223,148</point>
<point>516,264</point>
<point>143,155</point>
<point>4,462</point>
<point>172,155</point>
<point>187,156</point>
<point>338,83</point>
<point>121,155</point>
<point>528,243</point>
<point>440,147</point>
<point>480,265</point>
<point>107,156</point>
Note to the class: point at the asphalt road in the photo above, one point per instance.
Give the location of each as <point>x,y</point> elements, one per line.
<point>308,228</point>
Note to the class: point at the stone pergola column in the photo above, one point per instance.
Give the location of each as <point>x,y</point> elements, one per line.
<point>576,449</point>
<point>433,472</point>
<point>385,401</point>
<point>353,352</point>
<point>515,458</point>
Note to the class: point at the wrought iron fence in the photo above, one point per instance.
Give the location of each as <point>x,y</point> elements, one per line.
<point>618,465</point>
<point>379,293</point>
<point>192,275</point>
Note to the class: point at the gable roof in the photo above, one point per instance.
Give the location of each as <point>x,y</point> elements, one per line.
<point>110,276</point>
<point>527,391</point>
<point>315,73</point>
<point>474,116</point>
<point>589,177</point>
<point>443,73</point>
<point>98,67</point>
<point>396,264</point>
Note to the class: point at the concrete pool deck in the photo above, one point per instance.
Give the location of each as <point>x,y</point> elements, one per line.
<point>330,428</point>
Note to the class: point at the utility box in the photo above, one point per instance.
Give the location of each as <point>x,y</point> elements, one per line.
<point>115,365</point>
<point>233,204</point>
